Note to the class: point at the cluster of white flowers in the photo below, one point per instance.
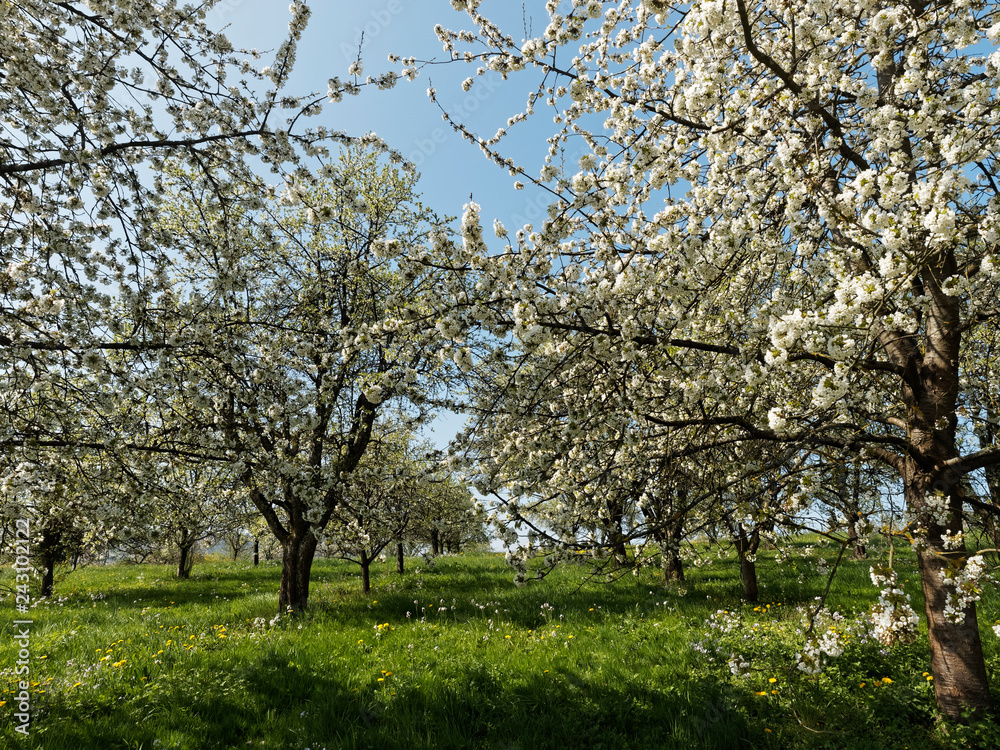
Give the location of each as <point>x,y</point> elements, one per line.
<point>953,541</point>
<point>937,507</point>
<point>893,619</point>
<point>817,649</point>
<point>738,667</point>
<point>967,584</point>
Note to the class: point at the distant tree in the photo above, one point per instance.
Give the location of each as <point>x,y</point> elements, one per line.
<point>304,316</point>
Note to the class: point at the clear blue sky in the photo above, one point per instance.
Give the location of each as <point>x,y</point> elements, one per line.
<point>451,168</point>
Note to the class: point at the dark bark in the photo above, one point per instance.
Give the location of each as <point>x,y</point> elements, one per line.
<point>957,661</point>
<point>256,551</point>
<point>852,510</point>
<point>673,568</point>
<point>748,575</point>
<point>673,565</point>
<point>929,368</point>
<point>860,552</point>
<point>49,552</point>
<point>298,552</point>
<point>48,574</point>
<point>399,558</point>
<point>615,534</point>
<point>185,560</point>
<point>366,564</point>
<point>746,548</point>
<point>435,542</point>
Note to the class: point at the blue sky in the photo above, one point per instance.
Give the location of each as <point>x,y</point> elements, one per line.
<point>451,168</point>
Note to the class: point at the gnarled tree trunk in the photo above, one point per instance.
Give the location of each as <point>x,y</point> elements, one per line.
<point>957,661</point>
<point>929,369</point>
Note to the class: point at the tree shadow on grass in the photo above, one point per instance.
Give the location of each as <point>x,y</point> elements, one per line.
<point>478,709</point>
<point>276,702</point>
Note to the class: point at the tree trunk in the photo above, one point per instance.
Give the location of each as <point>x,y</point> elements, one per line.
<point>748,574</point>
<point>957,662</point>
<point>860,549</point>
<point>435,542</point>
<point>619,553</point>
<point>256,551</point>
<point>854,516</point>
<point>366,564</point>
<point>746,547</point>
<point>49,549</point>
<point>673,566</point>
<point>185,560</point>
<point>296,566</point>
<point>48,574</point>
<point>399,558</point>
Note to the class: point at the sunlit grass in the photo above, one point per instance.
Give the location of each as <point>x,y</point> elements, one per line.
<point>457,656</point>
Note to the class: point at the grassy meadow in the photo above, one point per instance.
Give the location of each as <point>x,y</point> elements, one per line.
<point>456,656</point>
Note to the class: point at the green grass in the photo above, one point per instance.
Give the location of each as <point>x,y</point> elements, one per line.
<point>458,657</point>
